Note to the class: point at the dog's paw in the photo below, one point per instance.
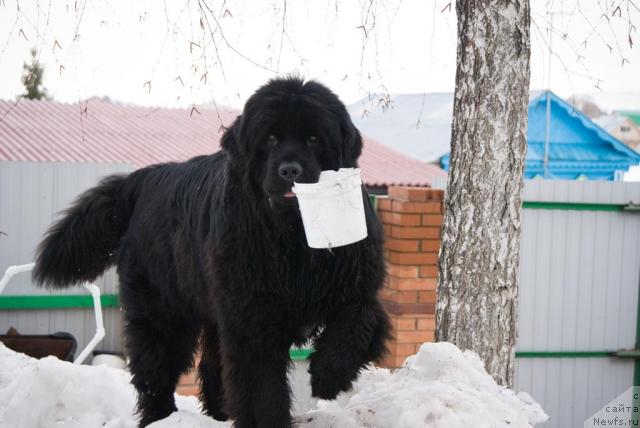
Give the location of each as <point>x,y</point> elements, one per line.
<point>328,387</point>
<point>327,383</point>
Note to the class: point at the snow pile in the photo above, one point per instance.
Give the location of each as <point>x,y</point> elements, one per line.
<point>48,392</point>
<point>52,393</point>
<point>438,387</point>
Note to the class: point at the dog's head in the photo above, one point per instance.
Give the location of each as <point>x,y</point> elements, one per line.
<point>290,131</point>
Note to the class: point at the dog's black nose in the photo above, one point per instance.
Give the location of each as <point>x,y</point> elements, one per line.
<point>290,170</point>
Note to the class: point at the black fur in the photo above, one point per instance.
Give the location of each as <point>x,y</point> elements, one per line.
<point>212,249</point>
<point>83,243</point>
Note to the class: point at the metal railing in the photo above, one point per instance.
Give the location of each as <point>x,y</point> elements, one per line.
<point>97,307</point>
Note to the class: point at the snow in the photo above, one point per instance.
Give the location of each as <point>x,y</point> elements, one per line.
<point>439,387</point>
<point>633,175</point>
<point>49,392</point>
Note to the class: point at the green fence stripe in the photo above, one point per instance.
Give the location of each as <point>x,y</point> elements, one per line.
<point>564,354</point>
<point>303,354</point>
<point>58,301</point>
<point>572,206</point>
<point>374,202</point>
<point>575,206</point>
<point>300,354</point>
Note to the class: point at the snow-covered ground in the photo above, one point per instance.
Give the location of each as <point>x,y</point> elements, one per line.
<point>439,387</point>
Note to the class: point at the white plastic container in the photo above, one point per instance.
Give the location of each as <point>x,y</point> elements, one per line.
<point>332,209</point>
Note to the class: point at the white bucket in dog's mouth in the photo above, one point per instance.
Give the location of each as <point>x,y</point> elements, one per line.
<point>332,209</point>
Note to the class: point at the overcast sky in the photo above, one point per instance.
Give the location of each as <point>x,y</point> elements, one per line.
<point>114,47</point>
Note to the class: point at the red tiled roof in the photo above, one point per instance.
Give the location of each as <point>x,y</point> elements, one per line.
<point>100,131</point>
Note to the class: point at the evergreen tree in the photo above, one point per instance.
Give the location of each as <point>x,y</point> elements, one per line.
<point>32,79</point>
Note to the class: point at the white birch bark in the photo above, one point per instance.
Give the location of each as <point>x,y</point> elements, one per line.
<point>479,256</point>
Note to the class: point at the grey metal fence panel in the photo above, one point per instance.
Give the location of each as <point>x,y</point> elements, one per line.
<point>579,277</point>
<point>570,390</point>
<point>31,196</point>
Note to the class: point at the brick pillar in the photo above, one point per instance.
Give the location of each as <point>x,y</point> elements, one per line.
<point>412,218</point>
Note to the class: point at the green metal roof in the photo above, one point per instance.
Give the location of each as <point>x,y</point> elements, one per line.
<point>633,115</point>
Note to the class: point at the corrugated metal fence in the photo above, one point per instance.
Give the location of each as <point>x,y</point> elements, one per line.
<point>579,277</point>
<point>580,273</point>
<point>31,193</point>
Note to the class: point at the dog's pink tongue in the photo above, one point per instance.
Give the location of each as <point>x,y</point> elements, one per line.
<point>289,195</point>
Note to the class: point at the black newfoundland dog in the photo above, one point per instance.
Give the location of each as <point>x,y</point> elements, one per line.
<point>212,252</point>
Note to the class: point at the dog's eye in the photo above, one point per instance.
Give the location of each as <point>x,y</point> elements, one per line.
<point>272,140</point>
<point>312,140</point>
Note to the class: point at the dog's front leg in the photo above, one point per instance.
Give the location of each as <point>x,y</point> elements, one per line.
<point>255,363</point>
<point>353,338</point>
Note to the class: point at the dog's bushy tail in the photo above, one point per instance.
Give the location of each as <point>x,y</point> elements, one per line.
<point>82,244</point>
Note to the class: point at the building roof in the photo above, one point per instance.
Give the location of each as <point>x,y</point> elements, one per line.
<point>633,115</point>
<point>101,131</point>
<point>610,122</point>
<point>578,147</point>
<point>419,125</point>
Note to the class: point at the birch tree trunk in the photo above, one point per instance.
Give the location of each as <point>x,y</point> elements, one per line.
<point>479,257</point>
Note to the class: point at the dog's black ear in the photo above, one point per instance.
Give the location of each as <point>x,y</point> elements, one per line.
<point>351,142</point>
<point>230,139</point>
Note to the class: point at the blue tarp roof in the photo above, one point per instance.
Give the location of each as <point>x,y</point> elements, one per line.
<point>577,147</point>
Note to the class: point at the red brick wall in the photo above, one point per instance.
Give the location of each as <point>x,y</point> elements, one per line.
<point>188,383</point>
<point>412,218</point>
